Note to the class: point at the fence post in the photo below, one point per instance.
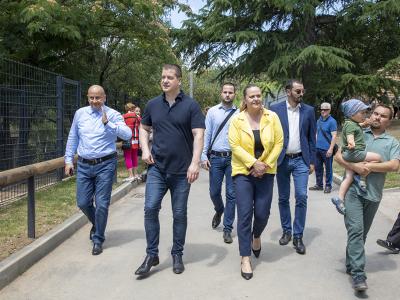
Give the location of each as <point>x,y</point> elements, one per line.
<point>60,123</point>
<point>78,95</point>
<point>31,207</point>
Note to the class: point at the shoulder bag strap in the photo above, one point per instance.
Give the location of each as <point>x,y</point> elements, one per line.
<point>324,134</point>
<point>220,127</point>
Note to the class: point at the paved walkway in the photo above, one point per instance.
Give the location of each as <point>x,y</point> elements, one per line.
<point>212,267</point>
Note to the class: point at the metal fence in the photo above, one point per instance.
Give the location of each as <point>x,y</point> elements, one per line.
<point>36,112</point>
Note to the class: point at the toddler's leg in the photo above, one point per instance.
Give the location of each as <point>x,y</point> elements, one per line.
<point>344,187</point>
<point>373,157</point>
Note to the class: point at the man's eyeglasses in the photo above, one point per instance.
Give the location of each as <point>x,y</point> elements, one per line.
<point>325,109</point>
<point>298,92</point>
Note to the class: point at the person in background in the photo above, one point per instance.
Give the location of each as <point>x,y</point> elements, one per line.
<point>131,154</point>
<point>256,140</point>
<point>216,158</point>
<point>93,136</point>
<point>297,159</point>
<point>392,242</point>
<point>326,140</point>
<point>138,112</point>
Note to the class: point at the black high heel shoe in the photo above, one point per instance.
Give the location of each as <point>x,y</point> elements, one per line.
<point>255,252</point>
<point>246,276</point>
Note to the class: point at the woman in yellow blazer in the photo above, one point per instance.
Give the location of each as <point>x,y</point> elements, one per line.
<point>256,139</point>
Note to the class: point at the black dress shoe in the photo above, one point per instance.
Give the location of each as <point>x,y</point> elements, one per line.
<point>299,246</point>
<point>285,239</point>
<point>228,237</point>
<point>177,264</point>
<point>388,245</point>
<point>246,276</point>
<point>97,249</point>
<point>327,190</point>
<point>316,188</point>
<point>216,220</point>
<point>149,261</point>
<point>91,233</point>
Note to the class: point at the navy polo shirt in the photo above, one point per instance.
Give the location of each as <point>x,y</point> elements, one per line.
<point>172,147</point>
<point>328,126</point>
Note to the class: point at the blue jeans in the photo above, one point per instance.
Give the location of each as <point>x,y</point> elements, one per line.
<point>220,167</point>
<point>157,185</point>
<point>300,171</point>
<point>94,183</point>
<point>254,197</point>
<point>321,161</point>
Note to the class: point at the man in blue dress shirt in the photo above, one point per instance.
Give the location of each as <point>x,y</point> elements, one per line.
<point>219,161</point>
<point>93,134</point>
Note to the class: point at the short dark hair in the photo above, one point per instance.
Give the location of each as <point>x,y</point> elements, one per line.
<point>229,83</point>
<point>385,106</point>
<point>175,67</point>
<point>290,82</point>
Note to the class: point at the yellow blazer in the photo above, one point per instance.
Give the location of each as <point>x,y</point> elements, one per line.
<point>241,139</point>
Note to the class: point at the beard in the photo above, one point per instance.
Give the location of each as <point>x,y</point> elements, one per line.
<point>375,125</point>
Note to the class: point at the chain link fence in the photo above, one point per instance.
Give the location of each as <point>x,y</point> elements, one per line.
<point>36,112</point>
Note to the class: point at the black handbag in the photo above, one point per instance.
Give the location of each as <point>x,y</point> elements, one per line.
<point>126,145</point>
<point>335,147</point>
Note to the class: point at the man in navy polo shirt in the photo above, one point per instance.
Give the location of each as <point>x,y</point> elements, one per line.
<point>174,162</point>
<point>326,139</point>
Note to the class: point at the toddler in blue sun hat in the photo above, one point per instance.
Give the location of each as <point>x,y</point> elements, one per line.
<point>353,148</point>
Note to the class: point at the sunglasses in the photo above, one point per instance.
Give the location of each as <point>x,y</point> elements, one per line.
<point>324,109</point>
<point>298,92</point>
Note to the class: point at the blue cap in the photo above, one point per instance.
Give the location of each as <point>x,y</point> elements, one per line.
<point>353,106</point>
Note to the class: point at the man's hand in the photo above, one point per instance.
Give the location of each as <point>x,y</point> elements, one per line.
<point>350,145</point>
<point>361,168</point>
<point>69,169</point>
<point>104,118</point>
<point>147,157</point>
<point>205,164</point>
<point>312,168</point>
<point>193,172</point>
<point>329,152</point>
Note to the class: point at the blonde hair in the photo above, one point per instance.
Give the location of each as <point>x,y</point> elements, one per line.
<point>243,105</point>
<point>129,107</point>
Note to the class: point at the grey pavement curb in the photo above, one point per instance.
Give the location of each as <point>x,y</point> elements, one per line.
<point>20,261</point>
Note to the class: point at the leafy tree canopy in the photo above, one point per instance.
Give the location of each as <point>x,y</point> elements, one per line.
<point>338,48</point>
<point>116,43</point>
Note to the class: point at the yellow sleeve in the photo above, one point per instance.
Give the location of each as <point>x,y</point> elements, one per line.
<point>238,152</point>
<point>273,155</point>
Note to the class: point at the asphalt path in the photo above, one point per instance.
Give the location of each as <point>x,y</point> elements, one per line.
<point>212,267</point>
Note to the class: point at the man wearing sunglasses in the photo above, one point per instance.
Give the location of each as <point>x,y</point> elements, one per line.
<point>326,140</point>
<point>297,159</point>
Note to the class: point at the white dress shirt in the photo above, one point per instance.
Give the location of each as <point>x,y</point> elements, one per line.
<point>294,129</point>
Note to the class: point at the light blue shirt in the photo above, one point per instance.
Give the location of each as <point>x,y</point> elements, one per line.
<point>214,118</point>
<point>90,138</point>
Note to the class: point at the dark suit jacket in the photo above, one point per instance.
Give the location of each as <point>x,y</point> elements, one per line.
<point>307,130</point>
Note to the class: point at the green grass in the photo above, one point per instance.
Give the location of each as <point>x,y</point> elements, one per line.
<point>53,206</point>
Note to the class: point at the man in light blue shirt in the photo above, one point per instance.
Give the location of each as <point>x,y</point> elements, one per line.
<point>216,157</point>
<point>93,134</point>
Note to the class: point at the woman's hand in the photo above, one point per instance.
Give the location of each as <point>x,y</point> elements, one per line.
<point>258,169</point>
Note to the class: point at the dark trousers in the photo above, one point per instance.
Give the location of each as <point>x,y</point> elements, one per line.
<point>220,168</point>
<point>94,184</point>
<point>157,185</point>
<point>394,234</point>
<point>322,161</point>
<point>253,198</point>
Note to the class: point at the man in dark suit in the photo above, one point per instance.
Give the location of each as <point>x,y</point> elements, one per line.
<point>297,159</point>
